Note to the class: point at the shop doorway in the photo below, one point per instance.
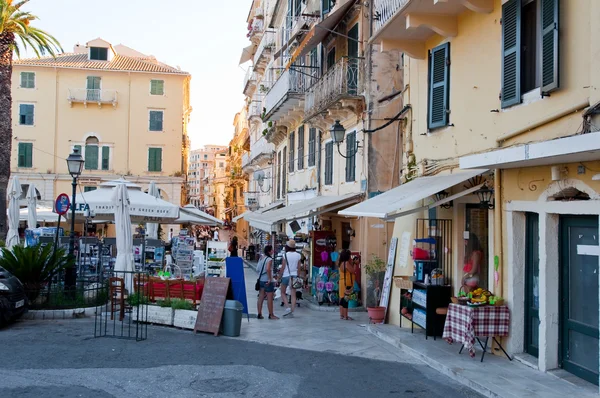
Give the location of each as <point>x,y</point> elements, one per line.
<point>579,298</point>
<point>532,291</point>
<point>477,245</point>
<point>345,236</point>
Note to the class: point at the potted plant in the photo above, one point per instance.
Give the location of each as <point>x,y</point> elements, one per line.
<point>161,313</point>
<point>353,300</point>
<point>375,270</point>
<point>185,314</point>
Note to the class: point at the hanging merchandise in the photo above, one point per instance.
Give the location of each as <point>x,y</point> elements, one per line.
<point>324,256</point>
<point>334,256</point>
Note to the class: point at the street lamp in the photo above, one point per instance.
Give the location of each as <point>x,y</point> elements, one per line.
<point>75,166</point>
<point>338,132</point>
<point>486,197</point>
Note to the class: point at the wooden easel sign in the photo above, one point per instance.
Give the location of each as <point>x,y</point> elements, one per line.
<point>210,310</point>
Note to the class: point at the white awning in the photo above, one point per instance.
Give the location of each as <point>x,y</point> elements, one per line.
<point>309,207</point>
<point>394,200</point>
<point>243,215</point>
<point>577,148</point>
<point>261,226</point>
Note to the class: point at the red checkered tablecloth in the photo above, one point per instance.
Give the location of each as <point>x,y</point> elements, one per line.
<point>464,323</point>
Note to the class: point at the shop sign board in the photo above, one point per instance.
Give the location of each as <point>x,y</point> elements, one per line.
<point>389,274</point>
<point>210,310</point>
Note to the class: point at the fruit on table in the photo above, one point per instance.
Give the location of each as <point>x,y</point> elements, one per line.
<point>481,299</point>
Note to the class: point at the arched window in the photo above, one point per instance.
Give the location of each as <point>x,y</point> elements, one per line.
<point>91,153</point>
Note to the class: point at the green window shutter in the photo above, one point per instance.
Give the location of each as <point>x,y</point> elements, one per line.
<point>312,134</point>
<point>284,174</point>
<point>91,157</point>
<point>351,157</point>
<point>511,53</point>
<point>549,63</point>
<point>325,6</point>
<point>291,145</point>
<point>331,58</point>
<point>105,158</point>
<point>26,114</point>
<point>25,154</point>
<point>329,163</point>
<point>27,80</point>
<point>439,85</point>
<point>290,14</point>
<point>155,159</point>
<point>157,87</point>
<point>300,147</point>
<point>156,121</point>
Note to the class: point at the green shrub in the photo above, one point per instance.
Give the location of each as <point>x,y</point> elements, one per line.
<point>35,265</point>
<point>179,304</point>
<point>137,299</point>
<point>163,303</point>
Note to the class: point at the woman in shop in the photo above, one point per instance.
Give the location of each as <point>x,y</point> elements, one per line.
<point>266,282</point>
<point>473,260</point>
<point>289,270</point>
<point>346,283</point>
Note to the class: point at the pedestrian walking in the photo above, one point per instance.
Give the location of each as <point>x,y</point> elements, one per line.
<point>346,282</point>
<point>287,273</point>
<point>266,282</point>
<point>233,247</point>
<point>216,235</point>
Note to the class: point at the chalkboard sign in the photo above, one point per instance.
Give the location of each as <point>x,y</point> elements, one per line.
<point>210,310</point>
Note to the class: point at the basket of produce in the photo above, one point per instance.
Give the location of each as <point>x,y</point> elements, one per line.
<point>495,300</point>
<point>402,282</point>
<point>462,297</point>
<point>479,297</point>
<point>437,277</point>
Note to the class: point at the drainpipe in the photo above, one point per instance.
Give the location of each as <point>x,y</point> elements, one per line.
<point>129,123</point>
<point>498,228</point>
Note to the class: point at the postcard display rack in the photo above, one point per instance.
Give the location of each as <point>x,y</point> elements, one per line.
<point>429,288</point>
<point>184,255</point>
<point>216,253</point>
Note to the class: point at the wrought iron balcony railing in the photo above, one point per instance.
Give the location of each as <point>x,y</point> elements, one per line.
<point>85,95</point>
<point>343,80</point>
<point>267,44</point>
<point>385,10</point>
<point>291,84</point>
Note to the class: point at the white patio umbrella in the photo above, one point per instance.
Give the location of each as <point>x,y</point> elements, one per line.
<point>31,207</point>
<point>193,211</point>
<point>152,228</point>
<point>13,195</point>
<point>43,214</point>
<point>124,261</point>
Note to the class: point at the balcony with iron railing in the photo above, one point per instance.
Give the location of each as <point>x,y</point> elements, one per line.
<point>406,25</point>
<point>344,82</point>
<point>94,96</point>
<point>245,159</point>
<point>260,150</point>
<point>255,108</point>
<point>287,94</point>
<point>263,52</point>
<point>249,83</point>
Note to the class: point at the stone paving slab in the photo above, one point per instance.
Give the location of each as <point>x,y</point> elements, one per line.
<point>496,376</point>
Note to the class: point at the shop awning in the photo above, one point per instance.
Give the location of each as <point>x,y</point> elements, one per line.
<point>577,148</point>
<point>321,30</point>
<point>265,227</point>
<point>390,203</point>
<point>255,218</point>
<point>243,215</point>
<point>247,54</point>
<point>310,207</point>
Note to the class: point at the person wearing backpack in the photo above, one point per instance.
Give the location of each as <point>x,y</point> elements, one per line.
<point>266,283</point>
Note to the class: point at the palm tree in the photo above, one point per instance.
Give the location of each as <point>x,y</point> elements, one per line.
<point>15,24</point>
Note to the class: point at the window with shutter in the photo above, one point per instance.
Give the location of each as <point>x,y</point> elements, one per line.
<point>283,174</point>
<point>155,159</point>
<point>300,147</point>
<point>312,134</point>
<point>157,87</point>
<point>25,154</point>
<point>549,20</point>
<point>331,58</point>
<point>329,163</point>
<point>511,53</point>
<point>105,158</point>
<point>325,6</point>
<point>298,7</point>
<point>26,112</point>
<point>27,80</point>
<point>91,157</point>
<point>156,120</point>
<point>439,85</point>
<point>292,144</point>
<point>279,175</point>
<point>351,157</point>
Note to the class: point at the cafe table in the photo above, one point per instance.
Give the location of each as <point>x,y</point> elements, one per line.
<point>465,325</point>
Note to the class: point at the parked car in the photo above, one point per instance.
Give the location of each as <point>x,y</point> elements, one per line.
<point>13,302</point>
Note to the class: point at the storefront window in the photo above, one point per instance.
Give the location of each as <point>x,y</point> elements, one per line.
<point>476,252</point>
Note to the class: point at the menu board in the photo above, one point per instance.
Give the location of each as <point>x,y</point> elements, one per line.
<point>210,310</point>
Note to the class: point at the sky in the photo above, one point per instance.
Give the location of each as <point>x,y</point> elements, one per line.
<point>203,37</point>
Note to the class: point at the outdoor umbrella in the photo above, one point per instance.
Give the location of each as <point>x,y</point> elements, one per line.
<point>43,215</point>
<point>124,262</point>
<point>14,193</point>
<point>152,228</point>
<point>31,207</point>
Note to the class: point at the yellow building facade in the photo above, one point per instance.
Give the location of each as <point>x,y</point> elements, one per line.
<point>502,142</point>
<point>125,111</point>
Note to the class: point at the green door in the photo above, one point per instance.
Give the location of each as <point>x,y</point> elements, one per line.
<point>532,286</point>
<point>353,61</point>
<point>579,297</point>
<point>93,88</point>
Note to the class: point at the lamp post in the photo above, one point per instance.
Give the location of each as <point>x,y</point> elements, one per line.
<point>75,166</point>
<point>338,132</point>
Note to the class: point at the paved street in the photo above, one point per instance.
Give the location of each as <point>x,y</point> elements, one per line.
<point>63,359</point>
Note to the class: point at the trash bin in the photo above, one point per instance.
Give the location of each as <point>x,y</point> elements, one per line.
<point>231,323</point>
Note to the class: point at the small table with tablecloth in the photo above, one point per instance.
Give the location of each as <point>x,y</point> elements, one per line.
<point>466,324</point>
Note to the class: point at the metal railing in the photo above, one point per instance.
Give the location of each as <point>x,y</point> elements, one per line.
<point>250,77</point>
<point>92,95</point>
<point>261,147</point>
<point>290,82</point>
<point>344,79</point>
<point>255,108</point>
<point>267,43</point>
<point>385,10</point>
<point>245,159</point>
